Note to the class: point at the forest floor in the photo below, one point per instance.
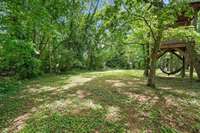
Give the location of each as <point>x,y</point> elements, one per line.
<point>111,101</point>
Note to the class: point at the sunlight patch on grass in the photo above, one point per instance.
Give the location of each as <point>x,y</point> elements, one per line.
<point>113,113</point>
<point>192,93</point>
<point>113,81</point>
<point>91,104</point>
<point>110,101</point>
<point>82,94</point>
<point>75,81</point>
<point>118,73</point>
<point>170,101</point>
<point>116,83</point>
<point>20,122</point>
<point>41,89</point>
<point>166,88</point>
<point>194,102</point>
<point>72,105</point>
<point>119,85</point>
<point>69,83</point>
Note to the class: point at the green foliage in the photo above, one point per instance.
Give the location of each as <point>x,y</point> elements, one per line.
<point>19,57</point>
<point>196,128</point>
<point>64,60</point>
<point>55,36</point>
<point>8,86</point>
<point>182,34</point>
<point>59,60</point>
<point>118,62</point>
<point>84,34</point>
<point>167,130</point>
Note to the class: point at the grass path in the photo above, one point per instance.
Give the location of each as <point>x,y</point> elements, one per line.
<point>111,101</point>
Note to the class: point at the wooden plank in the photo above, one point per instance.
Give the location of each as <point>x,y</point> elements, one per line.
<point>167,46</point>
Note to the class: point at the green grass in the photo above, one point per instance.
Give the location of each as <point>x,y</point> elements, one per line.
<point>111,101</point>
<point>57,123</point>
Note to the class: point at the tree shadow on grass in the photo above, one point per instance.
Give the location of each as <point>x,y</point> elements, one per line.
<point>159,108</point>
<point>16,106</point>
<point>122,99</point>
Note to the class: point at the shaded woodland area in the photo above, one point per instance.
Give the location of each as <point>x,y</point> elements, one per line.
<point>56,36</point>
<point>112,59</point>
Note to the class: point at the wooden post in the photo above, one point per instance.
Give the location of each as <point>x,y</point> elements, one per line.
<point>195,20</point>
<point>191,70</point>
<point>183,71</point>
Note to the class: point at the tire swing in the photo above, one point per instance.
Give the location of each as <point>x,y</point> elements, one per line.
<point>171,63</point>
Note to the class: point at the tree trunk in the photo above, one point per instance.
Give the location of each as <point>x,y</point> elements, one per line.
<point>196,61</point>
<point>50,63</point>
<point>195,55</point>
<point>197,68</point>
<point>152,70</point>
<point>91,57</point>
<point>147,61</point>
<point>191,70</point>
<point>195,58</point>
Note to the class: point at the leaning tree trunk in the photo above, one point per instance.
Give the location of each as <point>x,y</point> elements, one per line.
<point>157,36</point>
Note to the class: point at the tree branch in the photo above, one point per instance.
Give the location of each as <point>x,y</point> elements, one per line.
<point>144,19</point>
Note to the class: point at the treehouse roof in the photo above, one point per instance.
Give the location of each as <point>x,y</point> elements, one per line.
<point>195,5</point>
<point>183,20</point>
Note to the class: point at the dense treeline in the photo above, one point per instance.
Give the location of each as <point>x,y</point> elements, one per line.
<point>55,36</point>
<point>58,35</point>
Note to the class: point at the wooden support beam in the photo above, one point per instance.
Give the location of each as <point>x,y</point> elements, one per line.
<point>189,51</point>
<point>182,58</point>
<point>160,54</point>
<point>181,51</point>
<point>191,69</point>
<point>167,46</point>
<point>183,70</point>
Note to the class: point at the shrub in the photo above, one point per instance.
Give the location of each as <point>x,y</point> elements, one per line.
<point>20,57</point>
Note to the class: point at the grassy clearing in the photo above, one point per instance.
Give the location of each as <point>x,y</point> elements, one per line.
<point>111,101</point>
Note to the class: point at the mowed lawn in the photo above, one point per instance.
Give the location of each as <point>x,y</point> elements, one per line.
<point>100,102</point>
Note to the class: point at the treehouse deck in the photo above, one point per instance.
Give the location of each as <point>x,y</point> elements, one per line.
<point>172,45</point>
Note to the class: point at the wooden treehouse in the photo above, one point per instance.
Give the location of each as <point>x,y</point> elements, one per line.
<point>181,50</point>
<point>183,20</point>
